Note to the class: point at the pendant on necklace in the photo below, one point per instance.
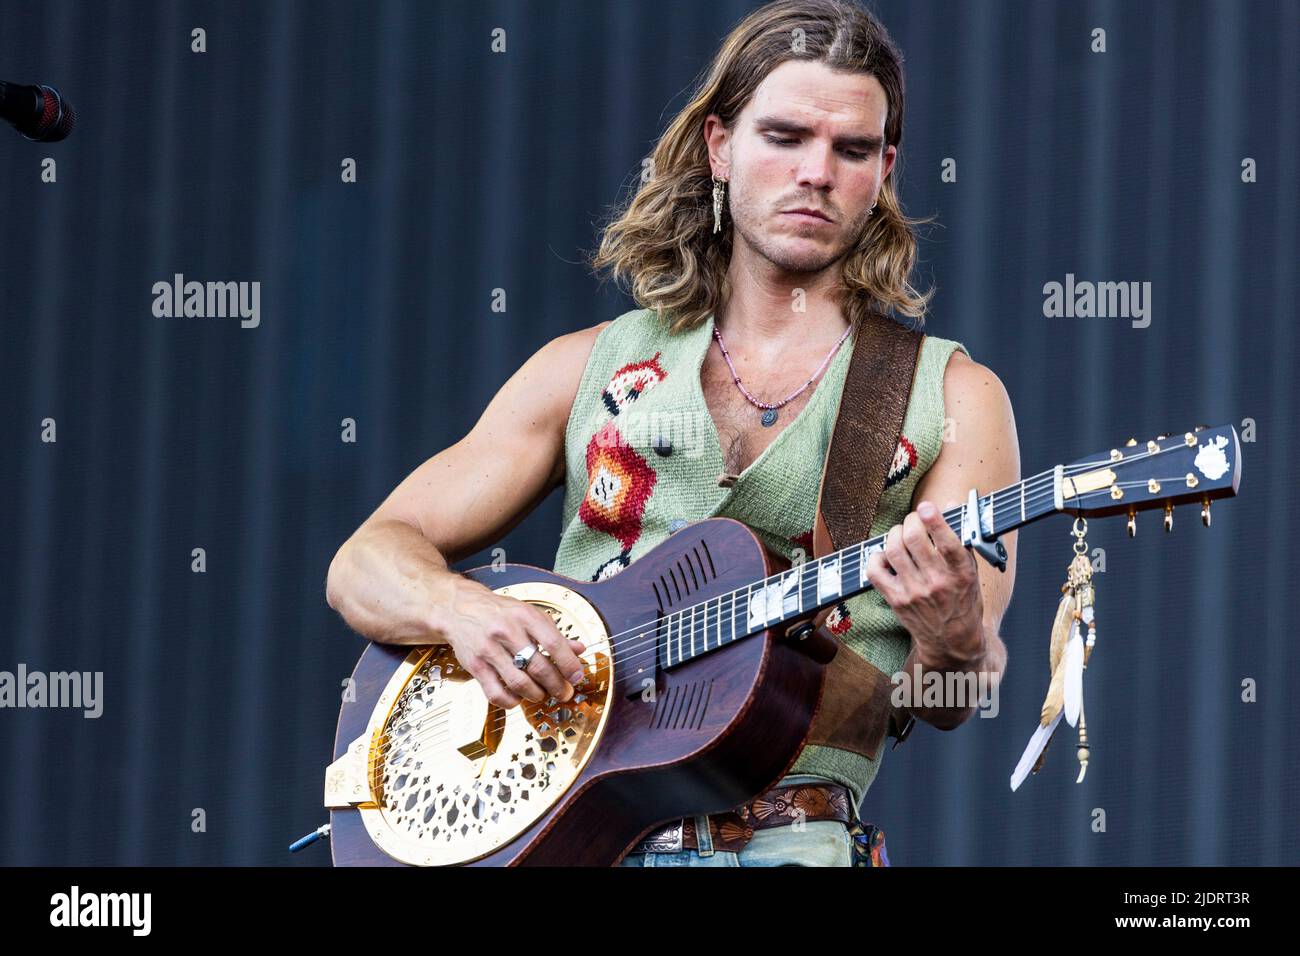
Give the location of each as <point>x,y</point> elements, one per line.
<point>769,417</point>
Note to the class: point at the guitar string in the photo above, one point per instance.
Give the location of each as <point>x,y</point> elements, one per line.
<point>851,562</point>
<point>420,741</point>
<point>435,733</point>
<point>1041,484</point>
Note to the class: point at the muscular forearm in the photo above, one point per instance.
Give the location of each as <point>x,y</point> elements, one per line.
<point>990,661</point>
<point>391,585</point>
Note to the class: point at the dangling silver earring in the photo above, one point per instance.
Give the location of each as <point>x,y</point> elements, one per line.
<point>871,212</point>
<point>719,190</point>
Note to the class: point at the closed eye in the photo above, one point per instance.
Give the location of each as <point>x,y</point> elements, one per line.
<point>786,141</point>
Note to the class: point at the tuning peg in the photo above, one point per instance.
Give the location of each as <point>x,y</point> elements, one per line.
<point>1161,437</point>
<point>1200,428</point>
<point>1205,511</point>
<point>1132,521</point>
<point>1131,442</point>
<point>1169,516</point>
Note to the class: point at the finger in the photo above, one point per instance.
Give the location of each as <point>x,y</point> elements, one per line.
<point>578,648</point>
<point>897,556</point>
<point>962,556</point>
<point>916,538</point>
<point>518,682</point>
<point>564,662</point>
<point>490,684</point>
<point>881,577</point>
<point>948,547</point>
<point>542,668</point>
<point>530,628</point>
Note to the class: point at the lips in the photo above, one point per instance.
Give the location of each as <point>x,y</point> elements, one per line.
<point>804,211</point>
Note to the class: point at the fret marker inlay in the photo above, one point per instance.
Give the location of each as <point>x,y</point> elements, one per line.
<point>772,601</point>
<point>828,580</point>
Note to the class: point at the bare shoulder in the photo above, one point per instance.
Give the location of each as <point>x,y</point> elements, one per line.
<point>973,394</point>
<point>571,350</point>
<point>553,372</point>
<point>556,369</point>
<point>535,404</point>
<point>980,444</point>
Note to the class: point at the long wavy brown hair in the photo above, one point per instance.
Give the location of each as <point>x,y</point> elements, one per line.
<point>660,243</point>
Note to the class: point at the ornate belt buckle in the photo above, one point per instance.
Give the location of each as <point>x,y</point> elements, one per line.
<point>667,839</point>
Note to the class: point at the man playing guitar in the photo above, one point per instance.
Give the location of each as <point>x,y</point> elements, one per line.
<point>798,137</point>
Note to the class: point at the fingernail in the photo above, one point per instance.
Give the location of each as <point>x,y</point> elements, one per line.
<point>575,677</point>
<point>926,510</point>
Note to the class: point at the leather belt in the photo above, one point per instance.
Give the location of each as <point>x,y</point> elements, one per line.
<point>732,830</point>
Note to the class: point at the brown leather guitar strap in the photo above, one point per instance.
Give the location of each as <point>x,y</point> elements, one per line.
<point>856,711</point>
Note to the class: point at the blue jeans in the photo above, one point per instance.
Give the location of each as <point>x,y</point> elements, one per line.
<point>818,843</point>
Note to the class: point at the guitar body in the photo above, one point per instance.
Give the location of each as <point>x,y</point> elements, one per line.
<point>717,729</point>
<point>693,700</point>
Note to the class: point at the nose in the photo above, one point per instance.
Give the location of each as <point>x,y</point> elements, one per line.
<point>815,167</point>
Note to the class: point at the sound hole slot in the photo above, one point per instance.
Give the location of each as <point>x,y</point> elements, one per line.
<point>713,571</point>
<point>689,709</point>
<point>683,707</point>
<point>708,695</point>
<point>661,709</point>
<point>694,578</point>
<point>678,701</point>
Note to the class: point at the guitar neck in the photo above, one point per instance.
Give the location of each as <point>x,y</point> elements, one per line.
<point>808,587</point>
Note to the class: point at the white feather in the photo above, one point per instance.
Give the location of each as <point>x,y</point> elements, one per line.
<point>1073,676</point>
<point>1036,745</point>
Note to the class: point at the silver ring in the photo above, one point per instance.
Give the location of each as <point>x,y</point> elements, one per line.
<point>522,657</point>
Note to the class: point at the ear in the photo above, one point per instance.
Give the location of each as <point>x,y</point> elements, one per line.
<point>891,153</point>
<point>717,138</point>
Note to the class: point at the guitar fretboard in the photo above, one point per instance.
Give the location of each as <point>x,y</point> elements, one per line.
<point>819,582</point>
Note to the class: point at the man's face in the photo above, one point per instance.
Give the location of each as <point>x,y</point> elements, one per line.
<point>809,138</point>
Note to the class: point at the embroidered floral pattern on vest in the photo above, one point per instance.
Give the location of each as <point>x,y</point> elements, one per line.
<point>839,621</point>
<point>630,382</point>
<point>614,565</point>
<point>618,483</point>
<point>903,463</point>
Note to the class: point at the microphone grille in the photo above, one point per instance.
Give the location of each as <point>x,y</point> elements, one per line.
<point>57,117</point>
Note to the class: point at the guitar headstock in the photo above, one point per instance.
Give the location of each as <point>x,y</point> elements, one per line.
<point>1196,466</point>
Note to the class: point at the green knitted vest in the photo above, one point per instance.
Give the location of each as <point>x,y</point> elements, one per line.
<point>643,459</point>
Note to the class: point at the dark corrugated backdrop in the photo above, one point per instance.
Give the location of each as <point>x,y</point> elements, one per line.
<point>480,171</point>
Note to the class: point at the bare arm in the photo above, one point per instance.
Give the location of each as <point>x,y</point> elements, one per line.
<point>951,602</point>
<point>390,580</point>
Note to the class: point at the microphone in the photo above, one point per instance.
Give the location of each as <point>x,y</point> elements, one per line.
<point>38,112</point>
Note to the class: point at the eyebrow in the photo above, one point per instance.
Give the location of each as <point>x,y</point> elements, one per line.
<point>779,125</point>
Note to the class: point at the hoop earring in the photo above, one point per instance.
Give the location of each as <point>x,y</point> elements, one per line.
<point>872,211</point>
<point>719,190</point>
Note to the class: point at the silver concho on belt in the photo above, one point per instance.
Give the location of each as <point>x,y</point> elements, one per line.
<point>667,839</point>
